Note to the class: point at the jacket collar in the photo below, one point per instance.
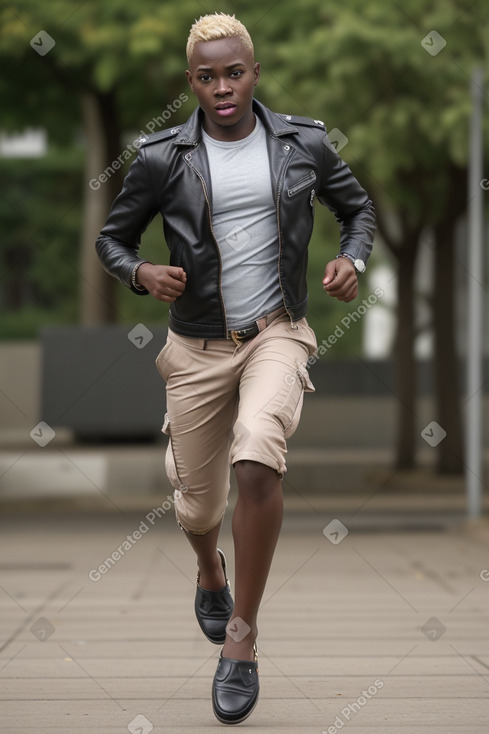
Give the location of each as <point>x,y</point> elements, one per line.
<point>191,131</point>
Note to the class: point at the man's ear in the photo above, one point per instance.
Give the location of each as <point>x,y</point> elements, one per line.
<point>189,79</point>
<point>256,71</point>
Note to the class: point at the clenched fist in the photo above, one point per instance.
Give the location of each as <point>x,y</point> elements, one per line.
<point>164,282</point>
<point>340,279</point>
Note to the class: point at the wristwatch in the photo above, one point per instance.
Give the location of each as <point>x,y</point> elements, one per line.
<point>360,266</point>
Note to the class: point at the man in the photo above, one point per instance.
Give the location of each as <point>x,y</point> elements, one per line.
<point>235,186</point>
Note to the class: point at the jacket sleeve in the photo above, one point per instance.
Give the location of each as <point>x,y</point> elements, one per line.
<point>118,243</point>
<point>342,194</point>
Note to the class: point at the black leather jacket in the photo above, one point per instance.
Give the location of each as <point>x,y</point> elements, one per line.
<point>171,175</point>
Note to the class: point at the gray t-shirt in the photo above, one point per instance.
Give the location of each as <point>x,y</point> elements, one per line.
<point>244,221</point>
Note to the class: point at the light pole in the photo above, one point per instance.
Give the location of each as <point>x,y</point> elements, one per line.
<point>475,393</point>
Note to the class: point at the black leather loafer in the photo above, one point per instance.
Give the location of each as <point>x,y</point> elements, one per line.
<point>213,609</point>
<point>235,689</point>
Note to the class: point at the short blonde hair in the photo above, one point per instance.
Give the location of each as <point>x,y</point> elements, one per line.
<point>215,26</point>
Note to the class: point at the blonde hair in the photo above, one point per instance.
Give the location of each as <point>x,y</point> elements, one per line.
<point>215,26</point>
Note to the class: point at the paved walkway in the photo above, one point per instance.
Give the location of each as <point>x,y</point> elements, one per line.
<point>371,632</point>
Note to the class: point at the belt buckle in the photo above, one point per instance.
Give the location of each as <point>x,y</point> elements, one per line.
<point>235,336</point>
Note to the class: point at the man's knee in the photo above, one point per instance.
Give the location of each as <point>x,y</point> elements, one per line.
<point>256,479</point>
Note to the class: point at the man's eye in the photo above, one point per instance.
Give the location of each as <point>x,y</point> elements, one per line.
<point>204,77</point>
<point>237,73</point>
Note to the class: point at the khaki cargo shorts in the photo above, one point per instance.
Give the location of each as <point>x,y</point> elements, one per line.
<point>227,403</point>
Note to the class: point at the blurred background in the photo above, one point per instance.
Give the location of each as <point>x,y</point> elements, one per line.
<point>81,404</point>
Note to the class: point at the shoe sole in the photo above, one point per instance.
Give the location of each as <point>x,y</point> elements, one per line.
<point>220,641</point>
<point>236,721</point>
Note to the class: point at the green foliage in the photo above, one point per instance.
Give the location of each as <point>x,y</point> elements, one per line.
<point>40,217</point>
<point>361,67</point>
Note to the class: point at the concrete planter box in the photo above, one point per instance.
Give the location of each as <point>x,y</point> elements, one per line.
<point>102,383</point>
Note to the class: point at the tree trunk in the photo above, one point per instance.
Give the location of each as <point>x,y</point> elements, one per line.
<point>447,390</point>
<point>404,359</point>
<point>447,386</point>
<point>97,287</point>
<point>404,245</point>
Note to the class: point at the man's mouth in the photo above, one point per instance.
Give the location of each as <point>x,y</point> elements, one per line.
<point>225,108</point>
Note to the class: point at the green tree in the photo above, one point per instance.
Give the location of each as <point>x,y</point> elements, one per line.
<point>39,283</point>
<point>404,105</point>
<point>101,68</point>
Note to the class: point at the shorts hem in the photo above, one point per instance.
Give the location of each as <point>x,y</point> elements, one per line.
<point>261,459</point>
<point>198,532</point>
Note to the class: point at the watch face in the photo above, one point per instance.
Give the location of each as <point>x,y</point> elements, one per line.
<point>360,266</point>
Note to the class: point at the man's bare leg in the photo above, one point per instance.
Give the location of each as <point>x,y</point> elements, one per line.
<point>208,559</point>
<point>257,521</point>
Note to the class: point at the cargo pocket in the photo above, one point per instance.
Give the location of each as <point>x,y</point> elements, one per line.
<point>289,412</point>
<point>170,464</point>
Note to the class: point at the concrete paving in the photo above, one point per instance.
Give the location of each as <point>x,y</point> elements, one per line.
<point>360,630</point>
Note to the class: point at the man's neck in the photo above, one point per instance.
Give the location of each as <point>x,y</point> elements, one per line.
<point>231,133</point>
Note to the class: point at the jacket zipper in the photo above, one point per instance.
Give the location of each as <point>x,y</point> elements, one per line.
<point>206,197</point>
<point>302,184</point>
<point>280,181</point>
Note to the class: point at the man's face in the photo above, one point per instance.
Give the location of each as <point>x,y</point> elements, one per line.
<point>223,75</point>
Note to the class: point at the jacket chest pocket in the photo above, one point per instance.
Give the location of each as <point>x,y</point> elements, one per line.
<point>302,183</point>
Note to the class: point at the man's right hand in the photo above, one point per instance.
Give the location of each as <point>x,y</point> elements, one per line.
<point>164,282</point>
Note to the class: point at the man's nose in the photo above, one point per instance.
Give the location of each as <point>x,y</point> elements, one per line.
<point>222,86</point>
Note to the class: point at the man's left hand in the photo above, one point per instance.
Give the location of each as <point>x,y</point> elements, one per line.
<point>340,279</point>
